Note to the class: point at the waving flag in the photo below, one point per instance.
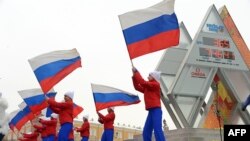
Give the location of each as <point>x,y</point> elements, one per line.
<point>17,119</point>
<point>11,116</point>
<point>26,110</point>
<point>76,110</point>
<point>35,99</point>
<point>105,97</point>
<point>151,29</point>
<point>50,68</point>
<point>48,111</point>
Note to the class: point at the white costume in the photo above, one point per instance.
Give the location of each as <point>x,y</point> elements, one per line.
<point>4,119</point>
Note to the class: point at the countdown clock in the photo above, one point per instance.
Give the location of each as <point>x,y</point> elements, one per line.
<point>216,48</point>
<point>221,43</point>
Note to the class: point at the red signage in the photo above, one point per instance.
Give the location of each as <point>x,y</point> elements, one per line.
<point>198,73</point>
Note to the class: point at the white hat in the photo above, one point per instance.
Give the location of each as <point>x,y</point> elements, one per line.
<point>29,132</point>
<point>70,94</point>
<point>54,115</point>
<point>85,116</point>
<point>156,75</point>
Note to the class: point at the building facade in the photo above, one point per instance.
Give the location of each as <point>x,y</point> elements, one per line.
<point>120,132</point>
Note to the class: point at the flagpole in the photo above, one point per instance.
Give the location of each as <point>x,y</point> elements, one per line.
<point>130,58</point>
<point>131,63</point>
<point>15,133</point>
<point>31,121</point>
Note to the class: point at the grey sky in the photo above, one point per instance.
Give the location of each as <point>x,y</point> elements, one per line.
<point>31,27</point>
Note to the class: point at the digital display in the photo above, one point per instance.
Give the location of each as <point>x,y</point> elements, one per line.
<point>216,42</point>
<point>217,53</point>
<point>205,52</point>
<point>229,55</point>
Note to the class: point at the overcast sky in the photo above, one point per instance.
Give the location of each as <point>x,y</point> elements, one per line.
<point>32,27</point>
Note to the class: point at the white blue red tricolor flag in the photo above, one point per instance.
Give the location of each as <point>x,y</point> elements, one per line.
<point>52,67</point>
<point>26,110</point>
<point>151,29</point>
<point>48,111</point>
<point>35,99</point>
<point>105,97</point>
<point>17,119</point>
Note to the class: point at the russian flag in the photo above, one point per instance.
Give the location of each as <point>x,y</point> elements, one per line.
<point>48,111</point>
<point>151,29</point>
<point>26,110</point>
<point>35,99</point>
<point>50,68</point>
<point>105,97</point>
<point>17,119</point>
<point>76,110</point>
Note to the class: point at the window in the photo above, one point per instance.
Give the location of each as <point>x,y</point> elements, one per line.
<point>118,134</point>
<point>92,132</point>
<point>130,135</point>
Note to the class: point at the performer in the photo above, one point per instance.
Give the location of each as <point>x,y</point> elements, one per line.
<point>246,103</point>
<point>84,130</point>
<point>51,125</point>
<point>41,129</point>
<point>32,136</point>
<point>151,90</point>
<point>108,122</point>
<point>65,112</point>
<point>4,118</point>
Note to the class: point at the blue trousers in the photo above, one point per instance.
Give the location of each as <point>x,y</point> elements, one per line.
<point>246,103</point>
<point>50,138</point>
<point>85,139</point>
<point>153,122</point>
<point>65,131</point>
<point>108,135</point>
